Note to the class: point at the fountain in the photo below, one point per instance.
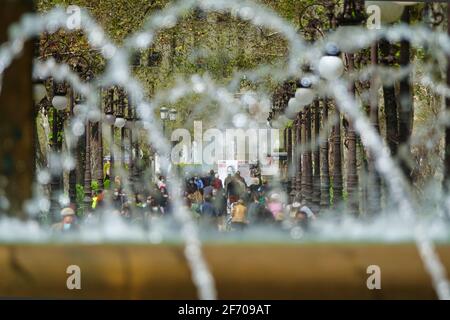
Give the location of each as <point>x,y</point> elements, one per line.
<point>143,262</point>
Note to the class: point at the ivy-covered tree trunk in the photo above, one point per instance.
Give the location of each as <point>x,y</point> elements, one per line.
<point>73,172</point>
<point>337,161</point>
<point>290,172</point>
<point>97,153</point>
<point>352,172</point>
<point>406,108</point>
<point>285,147</point>
<point>308,160</point>
<point>87,169</point>
<point>390,103</point>
<point>298,153</point>
<point>324,153</point>
<point>374,179</point>
<point>56,183</point>
<point>316,158</point>
<point>304,161</point>
<point>446,181</point>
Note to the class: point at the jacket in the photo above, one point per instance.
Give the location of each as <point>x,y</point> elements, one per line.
<point>239,213</point>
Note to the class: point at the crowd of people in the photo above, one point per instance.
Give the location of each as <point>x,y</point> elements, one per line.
<point>233,204</point>
<point>229,205</point>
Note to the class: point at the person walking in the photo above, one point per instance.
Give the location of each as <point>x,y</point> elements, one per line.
<point>276,207</point>
<point>217,183</point>
<point>258,214</point>
<point>68,222</point>
<point>239,216</point>
<point>199,183</point>
<point>209,212</point>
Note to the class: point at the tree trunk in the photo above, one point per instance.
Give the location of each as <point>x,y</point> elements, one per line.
<point>446,181</point>
<point>337,161</point>
<point>81,155</point>
<point>18,120</point>
<point>135,162</point>
<point>290,171</point>
<point>97,156</point>
<point>324,152</point>
<point>112,170</point>
<point>122,147</point>
<point>307,159</point>
<point>352,172</point>
<point>406,108</point>
<point>73,172</point>
<point>304,177</point>
<point>316,156</point>
<point>87,170</point>
<point>390,103</point>
<point>374,180</point>
<point>56,184</point>
<point>298,154</point>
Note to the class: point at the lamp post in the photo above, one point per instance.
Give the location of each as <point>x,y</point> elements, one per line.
<point>120,123</point>
<point>59,103</point>
<point>164,114</point>
<point>110,119</point>
<point>97,136</point>
<point>132,126</point>
<point>167,115</point>
<point>73,172</point>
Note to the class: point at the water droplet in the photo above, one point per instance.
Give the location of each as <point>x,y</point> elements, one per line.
<point>43,177</point>
<point>77,128</point>
<point>63,200</point>
<point>296,233</point>
<point>240,120</point>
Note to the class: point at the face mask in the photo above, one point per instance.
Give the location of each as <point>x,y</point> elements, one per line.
<point>67,226</point>
<point>116,194</point>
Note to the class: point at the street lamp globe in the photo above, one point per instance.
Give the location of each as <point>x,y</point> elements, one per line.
<point>120,122</point>
<point>59,102</point>
<point>39,91</point>
<point>293,108</point>
<point>331,66</point>
<point>164,113</point>
<point>304,94</point>
<point>173,114</point>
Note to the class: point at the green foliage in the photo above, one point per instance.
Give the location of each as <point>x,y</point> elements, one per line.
<point>79,199</point>
<point>79,193</point>
<point>94,185</point>
<point>219,45</point>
